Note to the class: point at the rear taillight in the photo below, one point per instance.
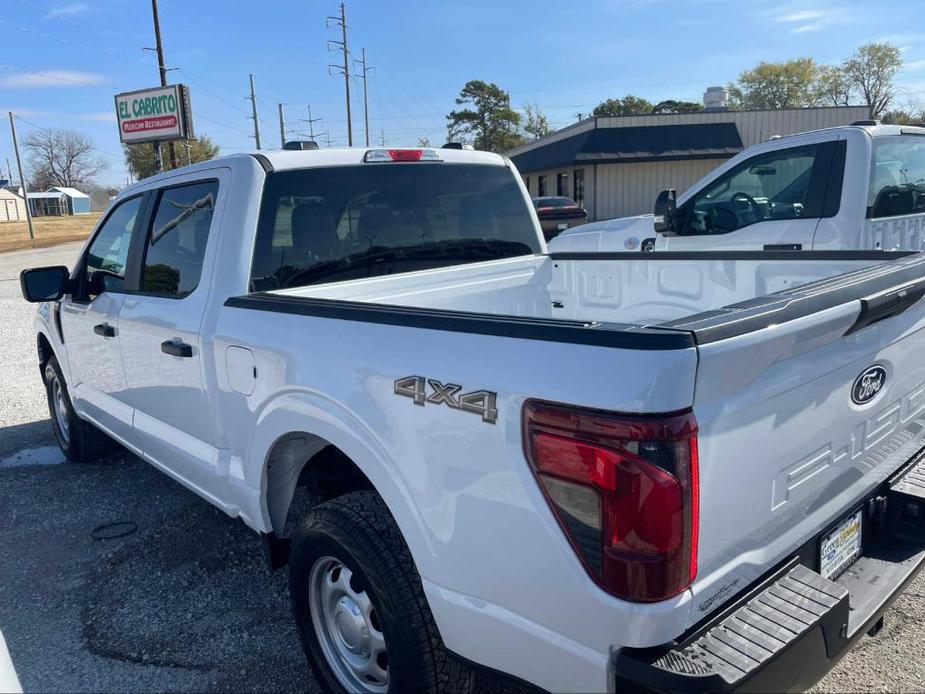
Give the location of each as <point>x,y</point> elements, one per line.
<point>624,489</point>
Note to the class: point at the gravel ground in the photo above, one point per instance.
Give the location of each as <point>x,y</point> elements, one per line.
<point>184,603</point>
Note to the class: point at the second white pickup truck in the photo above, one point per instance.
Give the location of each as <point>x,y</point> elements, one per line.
<point>679,472</point>
<point>856,187</point>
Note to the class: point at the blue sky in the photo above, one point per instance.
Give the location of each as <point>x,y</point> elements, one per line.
<point>63,60</point>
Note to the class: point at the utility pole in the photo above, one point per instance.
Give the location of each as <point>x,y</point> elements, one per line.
<point>382,138</point>
<point>9,170</point>
<point>159,47</point>
<point>253,98</point>
<point>282,127</point>
<point>189,157</point>
<point>345,68</point>
<point>311,122</point>
<point>365,69</point>
<point>22,179</point>
<point>327,138</point>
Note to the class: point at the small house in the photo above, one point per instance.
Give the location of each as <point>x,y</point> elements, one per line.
<point>12,206</point>
<point>77,202</point>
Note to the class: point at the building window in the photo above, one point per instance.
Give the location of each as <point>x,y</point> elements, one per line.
<point>562,184</point>
<point>579,186</point>
<point>527,183</point>
<point>540,186</point>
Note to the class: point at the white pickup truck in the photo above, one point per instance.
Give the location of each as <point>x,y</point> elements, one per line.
<point>680,472</point>
<point>849,188</point>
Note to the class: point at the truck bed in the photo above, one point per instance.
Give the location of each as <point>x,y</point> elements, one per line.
<point>616,292</point>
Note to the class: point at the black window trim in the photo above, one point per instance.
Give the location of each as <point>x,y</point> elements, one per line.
<point>140,254</point>
<point>78,275</point>
<point>826,157</point>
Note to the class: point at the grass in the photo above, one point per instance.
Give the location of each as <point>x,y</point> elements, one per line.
<point>49,231</point>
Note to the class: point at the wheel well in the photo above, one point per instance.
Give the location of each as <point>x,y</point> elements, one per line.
<point>45,351</point>
<point>304,470</point>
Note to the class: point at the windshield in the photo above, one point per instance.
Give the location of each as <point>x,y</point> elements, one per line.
<point>339,223</point>
<point>553,202</point>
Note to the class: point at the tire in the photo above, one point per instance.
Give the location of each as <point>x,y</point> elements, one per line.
<point>80,441</point>
<point>352,545</point>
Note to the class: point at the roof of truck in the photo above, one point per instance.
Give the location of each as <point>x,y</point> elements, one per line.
<point>284,160</point>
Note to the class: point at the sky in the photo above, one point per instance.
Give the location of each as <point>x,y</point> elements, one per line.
<point>62,61</point>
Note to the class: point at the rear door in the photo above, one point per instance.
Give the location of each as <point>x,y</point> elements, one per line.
<point>160,331</point>
<point>771,201</point>
<point>804,406</point>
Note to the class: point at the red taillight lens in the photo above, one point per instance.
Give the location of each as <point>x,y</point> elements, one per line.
<point>406,154</point>
<point>624,489</point>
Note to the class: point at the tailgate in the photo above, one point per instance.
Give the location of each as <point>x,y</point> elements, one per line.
<point>806,401</point>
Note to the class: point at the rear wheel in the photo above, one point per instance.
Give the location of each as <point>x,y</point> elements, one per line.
<point>80,441</point>
<point>359,605</point>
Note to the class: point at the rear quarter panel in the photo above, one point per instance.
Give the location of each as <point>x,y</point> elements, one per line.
<point>495,565</point>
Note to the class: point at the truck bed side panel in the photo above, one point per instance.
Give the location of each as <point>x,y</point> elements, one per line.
<point>479,529</point>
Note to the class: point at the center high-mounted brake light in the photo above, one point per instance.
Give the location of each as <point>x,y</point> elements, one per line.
<point>389,155</point>
<point>624,488</point>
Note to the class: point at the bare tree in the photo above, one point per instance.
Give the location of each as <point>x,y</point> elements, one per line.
<point>62,158</point>
<point>871,71</point>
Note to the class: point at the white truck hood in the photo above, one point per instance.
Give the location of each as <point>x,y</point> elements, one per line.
<point>621,234</point>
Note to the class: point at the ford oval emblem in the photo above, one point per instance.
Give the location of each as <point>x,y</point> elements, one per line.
<point>868,385</point>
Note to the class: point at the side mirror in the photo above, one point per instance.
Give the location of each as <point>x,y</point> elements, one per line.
<point>665,207</point>
<point>44,283</point>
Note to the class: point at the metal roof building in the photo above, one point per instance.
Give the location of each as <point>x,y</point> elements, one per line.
<point>616,166</point>
<point>77,202</point>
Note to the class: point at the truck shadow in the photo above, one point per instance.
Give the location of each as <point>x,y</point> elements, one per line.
<point>185,602</point>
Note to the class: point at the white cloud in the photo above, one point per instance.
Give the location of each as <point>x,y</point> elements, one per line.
<point>52,78</point>
<point>101,116</point>
<point>914,65</point>
<point>68,10</point>
<point>802,29</point>
<point>800,16</point>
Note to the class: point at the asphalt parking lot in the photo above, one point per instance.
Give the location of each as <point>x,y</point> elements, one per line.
<point>184,602</point>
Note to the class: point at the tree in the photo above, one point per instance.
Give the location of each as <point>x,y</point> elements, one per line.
<point>790,84</point>
<point>910,113</point>
<point>423,142</point>
<point>489,123</point>
<point>140,158</point>
<point>536,125</point>
<point>61,158</point>
<point>871,71</point>
<point>629,105</point>
<point>833,86</point>
<point>673,106</point>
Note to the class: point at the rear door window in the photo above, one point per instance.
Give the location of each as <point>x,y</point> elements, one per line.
<point>177,241</point>
<point>339,223</point>
<point>897,177</point>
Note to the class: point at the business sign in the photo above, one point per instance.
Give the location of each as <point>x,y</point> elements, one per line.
<point>149,115</point>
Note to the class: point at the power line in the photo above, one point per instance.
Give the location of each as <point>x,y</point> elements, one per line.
<point>345,69</point>
<point>365,70</point>
<point>253,98</point>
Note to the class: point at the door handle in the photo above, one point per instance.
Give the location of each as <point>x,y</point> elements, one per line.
<point>104,330</point>
<point>177,349</point>
<point>783,246</point>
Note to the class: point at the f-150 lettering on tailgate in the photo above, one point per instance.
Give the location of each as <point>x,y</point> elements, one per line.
<point>868,439</point>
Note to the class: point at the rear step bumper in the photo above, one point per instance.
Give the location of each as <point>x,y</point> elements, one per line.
<point>794,626</point>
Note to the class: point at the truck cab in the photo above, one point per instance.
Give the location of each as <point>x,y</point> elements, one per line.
<point>859,187</point>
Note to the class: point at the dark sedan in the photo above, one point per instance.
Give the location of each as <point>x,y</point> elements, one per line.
<point>558,214</point>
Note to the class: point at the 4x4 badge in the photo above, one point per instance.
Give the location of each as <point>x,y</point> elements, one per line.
<point>480,402</point>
